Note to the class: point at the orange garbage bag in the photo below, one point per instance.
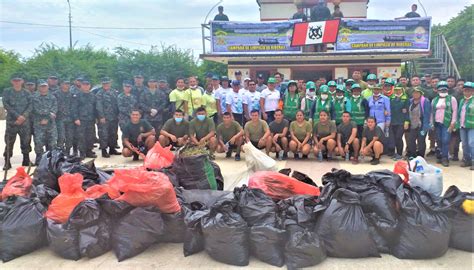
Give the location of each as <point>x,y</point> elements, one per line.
<point>279,186</point>
<point>97,191</point>
<point>159,157</point>
<point>18,185</point>
<point>143,188</point>
<point>401,168</point>
<point>71,194</point>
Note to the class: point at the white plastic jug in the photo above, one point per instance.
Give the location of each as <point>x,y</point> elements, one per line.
<point>428,177</point>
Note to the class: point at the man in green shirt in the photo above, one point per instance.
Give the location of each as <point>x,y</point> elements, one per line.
<point>175,131</point>
<point>279,130</point>
<point>178,97</point>
<point>347,141</point>
<point>257,132</point>
<point>229,136</point>
<point>371,141</point>
<point>202,131</point>
<point>138,136</point>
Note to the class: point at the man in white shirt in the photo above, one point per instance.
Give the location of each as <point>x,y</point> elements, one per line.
<point>220,95</point>
<point>251,100</point>
<point>269,100</point>
<point>234,102</point>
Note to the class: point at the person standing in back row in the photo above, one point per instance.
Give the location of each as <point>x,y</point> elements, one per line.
<point>64,122</point>
<point>126,103</point>
<point>269,100</point>
<point>84,116</point>
<point>466,125</point>
<point>221,16</point>
<point>107,113</point>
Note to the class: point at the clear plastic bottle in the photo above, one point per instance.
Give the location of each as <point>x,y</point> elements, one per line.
<point>320,156</point>
<point>347,157</point>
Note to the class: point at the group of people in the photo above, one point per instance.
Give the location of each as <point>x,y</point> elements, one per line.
<point>354,119</point>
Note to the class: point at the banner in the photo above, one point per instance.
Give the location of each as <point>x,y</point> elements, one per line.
<point>253,38</point>
<point>384,35</point>
<point>309,33</point>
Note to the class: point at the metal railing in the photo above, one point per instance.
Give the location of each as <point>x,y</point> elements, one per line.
<point>441,51</point>
<point>206,35</point>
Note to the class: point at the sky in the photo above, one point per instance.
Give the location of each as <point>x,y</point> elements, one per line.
<point>178,21</point>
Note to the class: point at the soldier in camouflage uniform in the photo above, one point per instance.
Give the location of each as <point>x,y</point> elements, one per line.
<point>53,85</point>
<point>30,86</point>
<point>84,116</point>
<point>154,105</point>
<point>163,87</point>
<point>126,103</point>
<point>75,89</point>
<point>107,113</point>
<point>64,123</point>
<point>44,108</point>
<point>17,103</point>
<point>138,86</point>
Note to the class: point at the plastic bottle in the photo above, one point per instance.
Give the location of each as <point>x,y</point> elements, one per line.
<point>419,168</point>
<point>347,157</point>
<point>387,133</point>
<point>320,156</point>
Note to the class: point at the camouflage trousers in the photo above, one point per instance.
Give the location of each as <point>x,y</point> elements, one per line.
<point>85,136</point>
<point>66,130</point>
<point>46,136</point>
<point>123,123</point>
<point>108,134</point>
<point>24,131</point>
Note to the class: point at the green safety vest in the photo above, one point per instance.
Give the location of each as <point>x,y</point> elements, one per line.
<point>469,119</point>
<point>308,104</point>
<point>320,107</point>
<point>357,111</point>
<point>291,106</point>
<point>339,107</point>
<point>448,112</point>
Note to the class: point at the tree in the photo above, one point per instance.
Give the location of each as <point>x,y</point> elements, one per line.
<point>9,64</point>
<point>214,68</point>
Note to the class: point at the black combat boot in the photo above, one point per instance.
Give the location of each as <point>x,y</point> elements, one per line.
<point>91,154</point>
<point>7,165</point>
<point>105,154</point>
<point>114,152</point>
<point>26,160</point>
<point>37,160</point>
<point>135,157</point>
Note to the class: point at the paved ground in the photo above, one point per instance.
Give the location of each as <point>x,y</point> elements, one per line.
<point>170,256</point>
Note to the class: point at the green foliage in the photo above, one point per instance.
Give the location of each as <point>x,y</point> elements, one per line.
<point>459,33</point>
<point>9,64</point>
<point>215,68</point>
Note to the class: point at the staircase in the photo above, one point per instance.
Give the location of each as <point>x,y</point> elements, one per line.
<point>440,63</point>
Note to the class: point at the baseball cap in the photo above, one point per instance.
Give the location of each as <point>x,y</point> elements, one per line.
<point>418,89</point>
<point>215,77</point>
<point>371,77</point>
<point>332,83</point>
<point>468,85</point>
<point>271,80</point>
<point>105,80</point>
<point>127,83</point>
<point>224,78</point>
<point>355,86</point>
<point>442,85</point>
<point>235,82</point>
<point>260,76</point>
<point>238,72</point>
<point>351,81</point>
<point>310,85</point>
<point>43,83</point>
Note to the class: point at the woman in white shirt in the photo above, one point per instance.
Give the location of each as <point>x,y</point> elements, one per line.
<point>269,100</point>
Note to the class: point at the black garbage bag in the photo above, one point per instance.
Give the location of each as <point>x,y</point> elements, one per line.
<point>4,208</point>
<point>93,227</point>
<point>218,175</point>
<point>136,232</point>
<point>193,239</point>
<point>297,210</point>
<point>23,228</point>
<point>44,193</point>
<point>462,232</point>
<point>49,169</point>
<point>63,240</point>
<point>255,206</point>
<point>195,172</point>
<point>171,175</point>
<point>386,179</point>
<point>226,234</point>
<point>298,176</point>
<point>87,170</point>
<point>174,228</point>
<point>344,228</point>
<point>423,223</point>
<point>267,244</point>
<point>304,248</point>
<point>206,197</point>
<point>114,209</point>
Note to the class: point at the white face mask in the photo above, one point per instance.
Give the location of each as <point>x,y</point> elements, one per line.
<point>356,96</point>
<point>193,87</point>
<point>324,96</point>
<point>310,94</point>
<point>339,97</point>
<point>443,95</point>
<point>377,95</point>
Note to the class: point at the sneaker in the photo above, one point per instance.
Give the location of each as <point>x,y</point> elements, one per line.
<point>465,164</point>
<point>91,155</point>
<point>285,156</point>
<point>114,152</point>
<point>135,157</point>
<point>396,157</point>
<point>375,161</point>
<point>305,156</point>
<point>105,154</point>
<point>228,154</point>
<point>296,156</point>
<point>237,157</point>
<point>445,162</point>
<point>455,158</point>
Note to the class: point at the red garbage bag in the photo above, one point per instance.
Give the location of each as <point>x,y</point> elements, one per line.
<point>159,157</point>
<point>279,186</point>
<point>401,168</point>
<point>143,188</point>
<point>97,191</point>
<point>71,194</point>
<point>18,185</point>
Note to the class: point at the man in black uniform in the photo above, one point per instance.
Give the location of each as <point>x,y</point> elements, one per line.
<point>84,115</point>
<point>107,113</point>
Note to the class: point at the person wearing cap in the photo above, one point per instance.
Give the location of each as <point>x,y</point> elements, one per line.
<point>260,83</point>
<point>238,77</point>
<point>17,103</point>
<point>359,108</point>
<point>245,89</point>
<point>64,121</point>
<point>348,83</point>
<point>53,83</point>
<point>419,113</point>
<point>371,83</point>
<point>179,97</point>
<point>163,87</point>
<point>322,103</point>
<point>84,116</point>
<point>208,78</point>
<point>126,103</point>
<point>107,113</point>
<point>399,104</point>
<point>357,77</point>
<point>341,103</point>
<point>443,118</point>
<point>379,107</point>
<point>193,95</point>
<point>230,136</point>
<point>138,85</point>
<point>44,107</point>
<point>251,100</point>
<point>234,102</point>
<point>308,100</point>
<point>154,105</point>
<point>216,83</point>
<point>269,100</point>
<point>291,101</point>
<point>221,94</point>
<point>30,86</point>
<point>332,89</point>
<point>300,15</point>
<point>466,125</point>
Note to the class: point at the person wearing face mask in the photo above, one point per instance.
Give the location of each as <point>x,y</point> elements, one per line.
<point>308,100</point>
<point>202,131</point>
<point>193,96</point>
<point>349,83</point>
<point>379,106</point>
<point>322,103</point>
<point>371,82</point>
<point>179,97</point>
<point>332,89</point>
<point>175,131</point>
<point>443,118</point>
<point>359,108</point>
<point>466,125</point>
<point>419,112</point>
<point>291,101</point>
<point>341,103</point>
<point>399,104</point>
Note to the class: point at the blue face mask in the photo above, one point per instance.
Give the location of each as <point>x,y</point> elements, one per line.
<point>178,119</point>
<point>201,117</point>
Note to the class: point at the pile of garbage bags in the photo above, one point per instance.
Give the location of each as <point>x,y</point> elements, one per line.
<point>277,219</point>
